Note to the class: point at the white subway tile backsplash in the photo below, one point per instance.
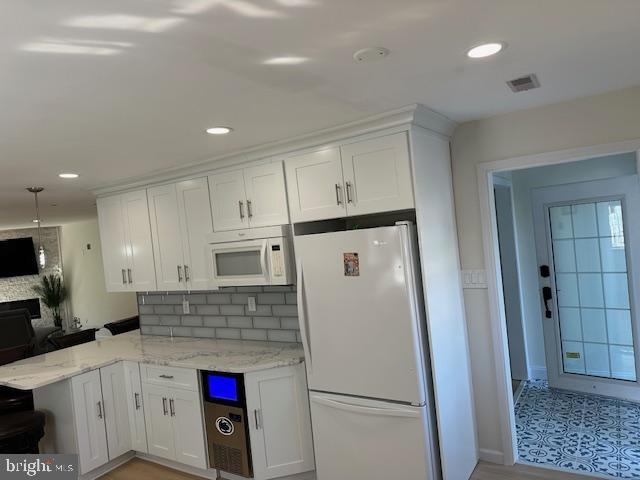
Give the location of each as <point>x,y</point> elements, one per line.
<point>223,314</point>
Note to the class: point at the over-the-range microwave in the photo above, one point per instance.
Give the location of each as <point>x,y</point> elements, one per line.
<point>255,256</point>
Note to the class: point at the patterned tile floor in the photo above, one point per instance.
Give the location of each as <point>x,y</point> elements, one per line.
<point>580,432</point>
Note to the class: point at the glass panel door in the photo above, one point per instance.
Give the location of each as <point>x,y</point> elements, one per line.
<point>592,289</point>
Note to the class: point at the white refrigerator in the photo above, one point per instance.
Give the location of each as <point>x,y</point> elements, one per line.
<point>363,330</point>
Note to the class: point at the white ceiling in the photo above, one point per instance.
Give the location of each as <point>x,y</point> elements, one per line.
<point>172,68</point>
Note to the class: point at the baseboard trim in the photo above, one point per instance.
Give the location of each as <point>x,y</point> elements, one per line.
<point>211,474</point>
<point>491,456</point>
<point>538,372</point>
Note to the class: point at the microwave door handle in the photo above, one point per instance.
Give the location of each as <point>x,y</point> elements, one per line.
<point>303,318</point>
<point>263,261</point>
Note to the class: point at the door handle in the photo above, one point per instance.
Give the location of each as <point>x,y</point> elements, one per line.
<point>124,276</point>
<point>249,209</point>
<point>338,196</point>
<point>172,407</point>
<point>257,415</point>
<point>100,414</point>
<point>348,188</point>
<point>136,400</point>
<point>186,273</point>
<point>241,206</point>
<point>546,296</point>
<point>129,275</point>
<point>164,406</point>
<point>179,273</point>
<point>303,317</point>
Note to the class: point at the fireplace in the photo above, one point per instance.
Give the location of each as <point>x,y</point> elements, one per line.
<point>31,304</point>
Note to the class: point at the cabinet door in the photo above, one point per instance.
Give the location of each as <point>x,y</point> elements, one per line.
<point>377,175</point>
<point>139,245</point>
<point>113,242</point>
<point>228,201</point>
<point>266,195</point>
<point>314,186</point>
<point>186,412</point>
<point>160,439</point>
<point>116,410</point>
<point>89,420</point>
<point>195,224</point>
<point>135,406</point>
<point>280,425</point>
<point>167,241</point>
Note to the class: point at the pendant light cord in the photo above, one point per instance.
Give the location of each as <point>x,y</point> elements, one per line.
<point>38,217</point>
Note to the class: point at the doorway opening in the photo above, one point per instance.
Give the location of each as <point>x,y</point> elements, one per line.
<point>568,251</point>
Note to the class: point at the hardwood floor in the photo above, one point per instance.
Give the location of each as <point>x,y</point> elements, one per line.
<point>138,469</point>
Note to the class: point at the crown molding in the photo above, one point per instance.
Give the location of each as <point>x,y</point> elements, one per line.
<point>415,114</point>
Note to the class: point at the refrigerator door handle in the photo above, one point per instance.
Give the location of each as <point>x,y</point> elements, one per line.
<point>304,318</point>
<point>349,407</point>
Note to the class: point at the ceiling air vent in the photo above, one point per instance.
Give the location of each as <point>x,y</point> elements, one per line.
<point>522,84</point>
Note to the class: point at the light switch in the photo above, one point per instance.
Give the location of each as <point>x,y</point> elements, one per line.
<point>251,304</point>
<point>474,279</point>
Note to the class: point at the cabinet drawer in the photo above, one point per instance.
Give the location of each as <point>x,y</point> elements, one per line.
<point>185,378</point>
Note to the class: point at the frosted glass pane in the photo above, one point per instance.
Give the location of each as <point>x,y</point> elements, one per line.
<point>570,324</point>
<point>584,220</point>
<point>616,291</point>
<point>596,359</point>
<point>613,254</point>
<point>587,255</point>
<point>622,362</point>
<point>561,222</point>
<point>619,327</point>
<point>594,325</point>
<point>590,286</point>
<point>564,259</point>
<point>573,357</point>
<point>567,285</point>
<point>610,219</point>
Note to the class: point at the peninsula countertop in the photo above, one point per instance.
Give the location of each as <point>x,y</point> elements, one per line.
<point>236,356</point>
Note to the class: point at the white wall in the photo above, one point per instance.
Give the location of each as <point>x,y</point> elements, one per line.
<point>600,119</point>
<point>84,277</point>
<point>524,181</point>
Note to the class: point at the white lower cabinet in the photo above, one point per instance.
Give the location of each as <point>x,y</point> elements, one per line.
<point>173,416</point>
<point>135,407</point>
<point>280,424</point>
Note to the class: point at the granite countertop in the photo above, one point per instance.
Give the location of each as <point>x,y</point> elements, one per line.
<point>235,356</point>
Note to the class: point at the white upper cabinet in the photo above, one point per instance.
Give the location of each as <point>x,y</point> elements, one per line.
<point>315,186</point>
<point>180,219</point>
<point>377,175</point>
<point>125,235</point>
<point>228,201</point>
<point>252,197</point>
<point>266,195</point>
<point>370,176</point>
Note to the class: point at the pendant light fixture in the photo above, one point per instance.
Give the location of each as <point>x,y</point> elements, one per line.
<point>42,256</point>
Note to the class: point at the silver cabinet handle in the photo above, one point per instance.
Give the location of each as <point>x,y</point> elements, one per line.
<point>129,275</point>
<point>186,273</point>
<point>172,407</point>
<point>338,196</point>
<point>124,276</point>
<point>257,414</point>
<point>179,273</point>
<point>136,400</point>
<point>100,414</point>
<point>241,206</point>
<point>168,377</point>
<point>349,186</point>
<point>164,406</point>
<point>249,209</point>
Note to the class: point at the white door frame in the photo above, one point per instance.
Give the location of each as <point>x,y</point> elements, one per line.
<point>497,318</point>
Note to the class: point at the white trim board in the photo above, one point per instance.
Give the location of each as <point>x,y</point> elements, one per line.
<point>497,318</point>
<point>399,119</point>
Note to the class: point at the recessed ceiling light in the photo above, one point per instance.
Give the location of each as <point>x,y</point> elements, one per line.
<point>289,60</point>
<point>219,130</point>
<point>485,50</point>
<point>68,175</point>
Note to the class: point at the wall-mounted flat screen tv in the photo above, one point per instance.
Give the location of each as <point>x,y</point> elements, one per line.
<point>17,257</point>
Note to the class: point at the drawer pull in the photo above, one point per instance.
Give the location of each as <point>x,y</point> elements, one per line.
<point>168,377</point>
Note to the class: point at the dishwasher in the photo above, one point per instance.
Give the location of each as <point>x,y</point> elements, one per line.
<point>227,428</point>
